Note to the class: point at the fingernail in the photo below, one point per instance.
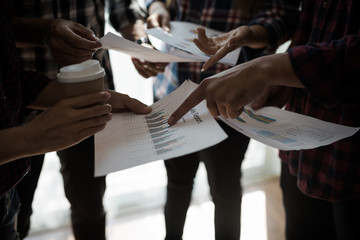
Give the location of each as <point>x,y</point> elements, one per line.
<point>170,120</point>
<point>202,70</point>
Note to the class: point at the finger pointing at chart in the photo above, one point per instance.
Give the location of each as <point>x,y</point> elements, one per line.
<point>191,101</point>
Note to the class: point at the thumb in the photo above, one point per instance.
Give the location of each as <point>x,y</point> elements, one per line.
<point>136,106</point>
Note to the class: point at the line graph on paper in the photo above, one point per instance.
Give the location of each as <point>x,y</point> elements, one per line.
<point>151,135</point>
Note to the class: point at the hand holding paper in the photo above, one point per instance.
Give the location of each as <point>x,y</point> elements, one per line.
<point>130,139</point>
<point>180,37</point>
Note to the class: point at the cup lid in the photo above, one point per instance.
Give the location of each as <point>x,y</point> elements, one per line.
<point>81,72</point>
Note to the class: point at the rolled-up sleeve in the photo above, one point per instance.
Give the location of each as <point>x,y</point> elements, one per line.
<point>279,18</point>
<point>330,71</point>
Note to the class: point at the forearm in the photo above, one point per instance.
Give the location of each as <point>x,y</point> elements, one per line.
<point>48,97</point>
<point>16,143</point>
<point>259,37</point>
<point>275,69</point>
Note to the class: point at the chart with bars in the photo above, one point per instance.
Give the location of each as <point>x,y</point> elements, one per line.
<point>163,137</point>
<point>131,139</point>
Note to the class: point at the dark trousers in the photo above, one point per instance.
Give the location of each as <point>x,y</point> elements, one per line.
<point>84,192</point>
<point>9,208</point>
<point>313,219</point>
<point>26,190</point>
<point>223,166</point>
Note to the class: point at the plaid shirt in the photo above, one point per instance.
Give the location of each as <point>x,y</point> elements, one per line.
<point>18,88</point>
<point>327,63</point>
<point>224,16</point>
<point>89,13</point>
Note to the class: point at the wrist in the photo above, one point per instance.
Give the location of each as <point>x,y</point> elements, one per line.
<point>259,37</point>
<point>278,71</point>
<point>142,40</point>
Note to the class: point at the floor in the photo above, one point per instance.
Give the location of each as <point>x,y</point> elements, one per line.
<point>262,219</point>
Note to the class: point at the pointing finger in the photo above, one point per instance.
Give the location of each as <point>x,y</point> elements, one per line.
<point>191,101</point>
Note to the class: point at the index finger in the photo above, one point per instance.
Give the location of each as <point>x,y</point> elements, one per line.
<point>191,101</point>
<point>222,52</point>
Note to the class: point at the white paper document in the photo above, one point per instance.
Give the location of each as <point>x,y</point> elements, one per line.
<point>181,36</point>
<point>288,130</point>
<point>130,139</point>
<point>118,43</point>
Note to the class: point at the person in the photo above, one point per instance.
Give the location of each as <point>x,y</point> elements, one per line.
<point>56,128</point>
<point>318,76</point>
<point>68,41</point>
<point>223,161</point>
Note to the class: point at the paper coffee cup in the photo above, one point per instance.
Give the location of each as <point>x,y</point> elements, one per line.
<point>82,78</point>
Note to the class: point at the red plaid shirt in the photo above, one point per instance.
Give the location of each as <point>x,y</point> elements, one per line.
<point>18,88</point>
<point>326,60</point>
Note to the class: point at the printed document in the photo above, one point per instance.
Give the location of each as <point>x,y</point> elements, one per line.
<point>131,139</point>
<point>118,43</point>
<point>287,130</point>
<point>181,36</point>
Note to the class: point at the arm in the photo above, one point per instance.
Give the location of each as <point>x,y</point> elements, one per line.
<point>65,124</point>
<point>228,92</point>
<point>159,16</point>
<point>271,26</point>
<point>61,126</point>
<point>128,17</point>
<point>329,71</point>
<point>69,42</point>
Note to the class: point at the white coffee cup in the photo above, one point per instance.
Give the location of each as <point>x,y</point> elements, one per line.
<point>82,78</point>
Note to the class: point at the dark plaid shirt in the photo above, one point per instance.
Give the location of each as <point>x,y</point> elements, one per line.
<point>328,65</point>
<point>18,88</point>
<point>89,13</point>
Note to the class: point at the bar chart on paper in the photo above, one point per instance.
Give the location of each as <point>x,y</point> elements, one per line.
<point>133,139</point>
<point>164,138</point>
<point>160,138</point>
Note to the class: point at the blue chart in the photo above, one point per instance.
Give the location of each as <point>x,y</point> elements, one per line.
<point>164,138</point>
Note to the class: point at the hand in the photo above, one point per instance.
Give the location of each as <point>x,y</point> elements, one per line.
<point>69,122</point>
<point>276,96</point>
<point>226,93</point>
<point>229,91</point>
<point>71,42</point>
<point>158,16</point>
<point>122,102</point>
<point>255,36</point>
<point>219,46</point>
<point>148,69</point>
